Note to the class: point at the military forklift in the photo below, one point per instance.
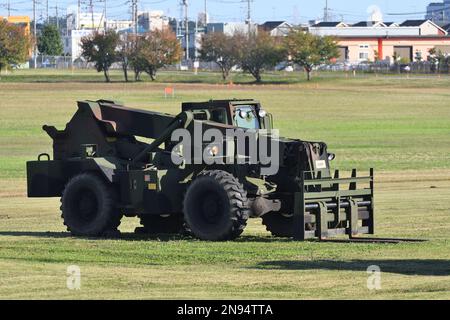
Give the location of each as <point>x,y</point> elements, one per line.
<point>111,162</point>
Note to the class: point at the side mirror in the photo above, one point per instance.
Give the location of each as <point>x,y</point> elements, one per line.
<point>267,121</point>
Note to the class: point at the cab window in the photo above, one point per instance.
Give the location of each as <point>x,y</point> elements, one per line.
<point>245,117</point>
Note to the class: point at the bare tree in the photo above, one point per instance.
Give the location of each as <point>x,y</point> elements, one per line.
<point>126,48</point>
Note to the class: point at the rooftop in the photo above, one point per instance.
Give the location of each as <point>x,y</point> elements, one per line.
<point>413,23</point>
<point>327,24</point>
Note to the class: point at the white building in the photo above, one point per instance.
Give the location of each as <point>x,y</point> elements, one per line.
<point>119,25</point>
<point>230,28</point>
<point>85,20</point>
<point>276,28</point>
<point>72,43</point>
<point>84,24</point>
<point>152,20</point>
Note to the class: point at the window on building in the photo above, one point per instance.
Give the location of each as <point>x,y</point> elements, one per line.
<point>364,56</point>
<point>364,52</point>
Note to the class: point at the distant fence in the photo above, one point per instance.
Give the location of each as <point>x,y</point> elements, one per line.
<point>59,62</point>
<point>423,67</point>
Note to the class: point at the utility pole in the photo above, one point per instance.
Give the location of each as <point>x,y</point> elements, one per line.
<point>104,16</point>
<point>34,34</point>
<point>206,13</point>
<point>186,27</point>
<point>9,8</point>
<point>134,14</point>
<point>249,16</point>
<point>91,7</point>
<point>326,11</point>
<point>57,16</point>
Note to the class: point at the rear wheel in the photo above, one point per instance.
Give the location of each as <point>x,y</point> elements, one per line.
<point>216,206</point>
<point>156,224</point>
<point>88,206</point>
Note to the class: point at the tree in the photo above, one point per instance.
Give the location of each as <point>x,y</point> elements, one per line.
<point>14,45</point>
<point>101,48</point>
<point>308,50</point>
<point>219,48</point>
<point>155,50</point>
<point>49,42</point>
<point>127,46</point>
<point>258,52</point>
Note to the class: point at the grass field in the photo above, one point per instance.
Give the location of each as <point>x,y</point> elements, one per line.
<point>399,126</point>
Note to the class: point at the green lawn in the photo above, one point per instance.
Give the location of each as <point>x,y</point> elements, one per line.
<point>399,126</point>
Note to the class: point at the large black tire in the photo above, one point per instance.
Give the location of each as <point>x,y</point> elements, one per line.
<point>279,225</point>
<point>155,224</point>
<point>88,207</point>
<point>216,206</point>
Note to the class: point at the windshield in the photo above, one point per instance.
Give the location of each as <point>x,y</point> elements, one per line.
<point>246,118</point>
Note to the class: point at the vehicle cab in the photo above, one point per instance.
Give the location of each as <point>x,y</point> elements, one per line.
<point>245,114</point>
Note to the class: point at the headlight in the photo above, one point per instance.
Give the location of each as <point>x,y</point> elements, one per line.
<point>331,156</point>
<point>262,113</point>
<point>213,151</point>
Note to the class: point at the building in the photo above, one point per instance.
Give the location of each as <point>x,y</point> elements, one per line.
<point>370,41</point>
<point>72,43</point>
<point>231,28</point>
<point>329,25</point>
<point>152,20</point>
<point>85,20</point>
<point>276,28</point>
<point>23,21</point>
<point>119,25</point>
<point>439,12</point>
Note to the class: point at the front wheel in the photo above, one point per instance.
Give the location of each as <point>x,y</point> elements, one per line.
<point>216,206</point>
<point>88,206</point>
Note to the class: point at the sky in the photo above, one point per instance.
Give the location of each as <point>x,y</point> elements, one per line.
<point>295,11</point>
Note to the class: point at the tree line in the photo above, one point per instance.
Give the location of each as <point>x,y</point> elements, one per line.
<point>253,53</point>
<point>145,53</point>
<point>259,52</point>
<point>149,52</point>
